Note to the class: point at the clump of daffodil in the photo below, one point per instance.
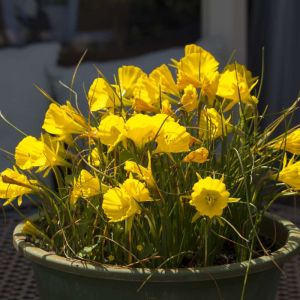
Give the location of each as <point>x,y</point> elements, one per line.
<point>127,184</point>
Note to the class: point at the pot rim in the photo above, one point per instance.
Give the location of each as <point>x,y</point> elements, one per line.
<point>82,268</point>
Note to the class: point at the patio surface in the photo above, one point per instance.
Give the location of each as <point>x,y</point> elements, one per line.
<point>17,280</point>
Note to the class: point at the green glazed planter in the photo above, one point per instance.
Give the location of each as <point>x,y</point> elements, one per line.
<point>61,278</point>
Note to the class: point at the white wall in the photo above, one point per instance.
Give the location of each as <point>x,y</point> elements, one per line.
<point>225,22</point>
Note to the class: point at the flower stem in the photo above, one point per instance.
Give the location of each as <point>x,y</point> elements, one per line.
<point>205,242</point>
<point>128,228</point>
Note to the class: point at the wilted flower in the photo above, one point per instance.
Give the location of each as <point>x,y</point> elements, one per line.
<point>199,155</point>
<point>94,158</point>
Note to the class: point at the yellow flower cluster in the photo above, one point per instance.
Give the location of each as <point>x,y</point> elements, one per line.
<point>174,117</point>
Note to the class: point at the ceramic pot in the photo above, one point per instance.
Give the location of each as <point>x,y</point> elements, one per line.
<point>62,278</point>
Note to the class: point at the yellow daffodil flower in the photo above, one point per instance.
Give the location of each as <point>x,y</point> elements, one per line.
<point>290,173</point>
<point>173,138</point>
<point>86,186</point>
<point>193,48</point>
<point>118,205</point>
<point>110,129</point>
<point>128,78</point>
<point>290,142</point>
<point>136,190</point>
<point>235,84</point>
<point>14,185</point>
<point>64,120</point>
<point>163,77</point>
<point>102,96</point>
<point>199,155</point>
<point>139,248</point>
<point>210,197</point>
<point>209,87</point>
<point>166,108</point>
<point>212,125</point>
<point>94,158</point>
<point>199,68</point>
<point>147,96</point>
<point>43,154</point>
<point>142,173</point>
<point>142,129</point>
<point>30,229</point>
<point>189,99</point>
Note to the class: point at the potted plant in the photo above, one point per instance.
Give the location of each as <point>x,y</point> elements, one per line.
<point>162,189</point>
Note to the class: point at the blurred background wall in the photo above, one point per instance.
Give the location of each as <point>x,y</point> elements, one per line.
<point>274,25</point>
<point>42,40</point>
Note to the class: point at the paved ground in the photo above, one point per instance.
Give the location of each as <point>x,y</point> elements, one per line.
<point>17,279</point>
